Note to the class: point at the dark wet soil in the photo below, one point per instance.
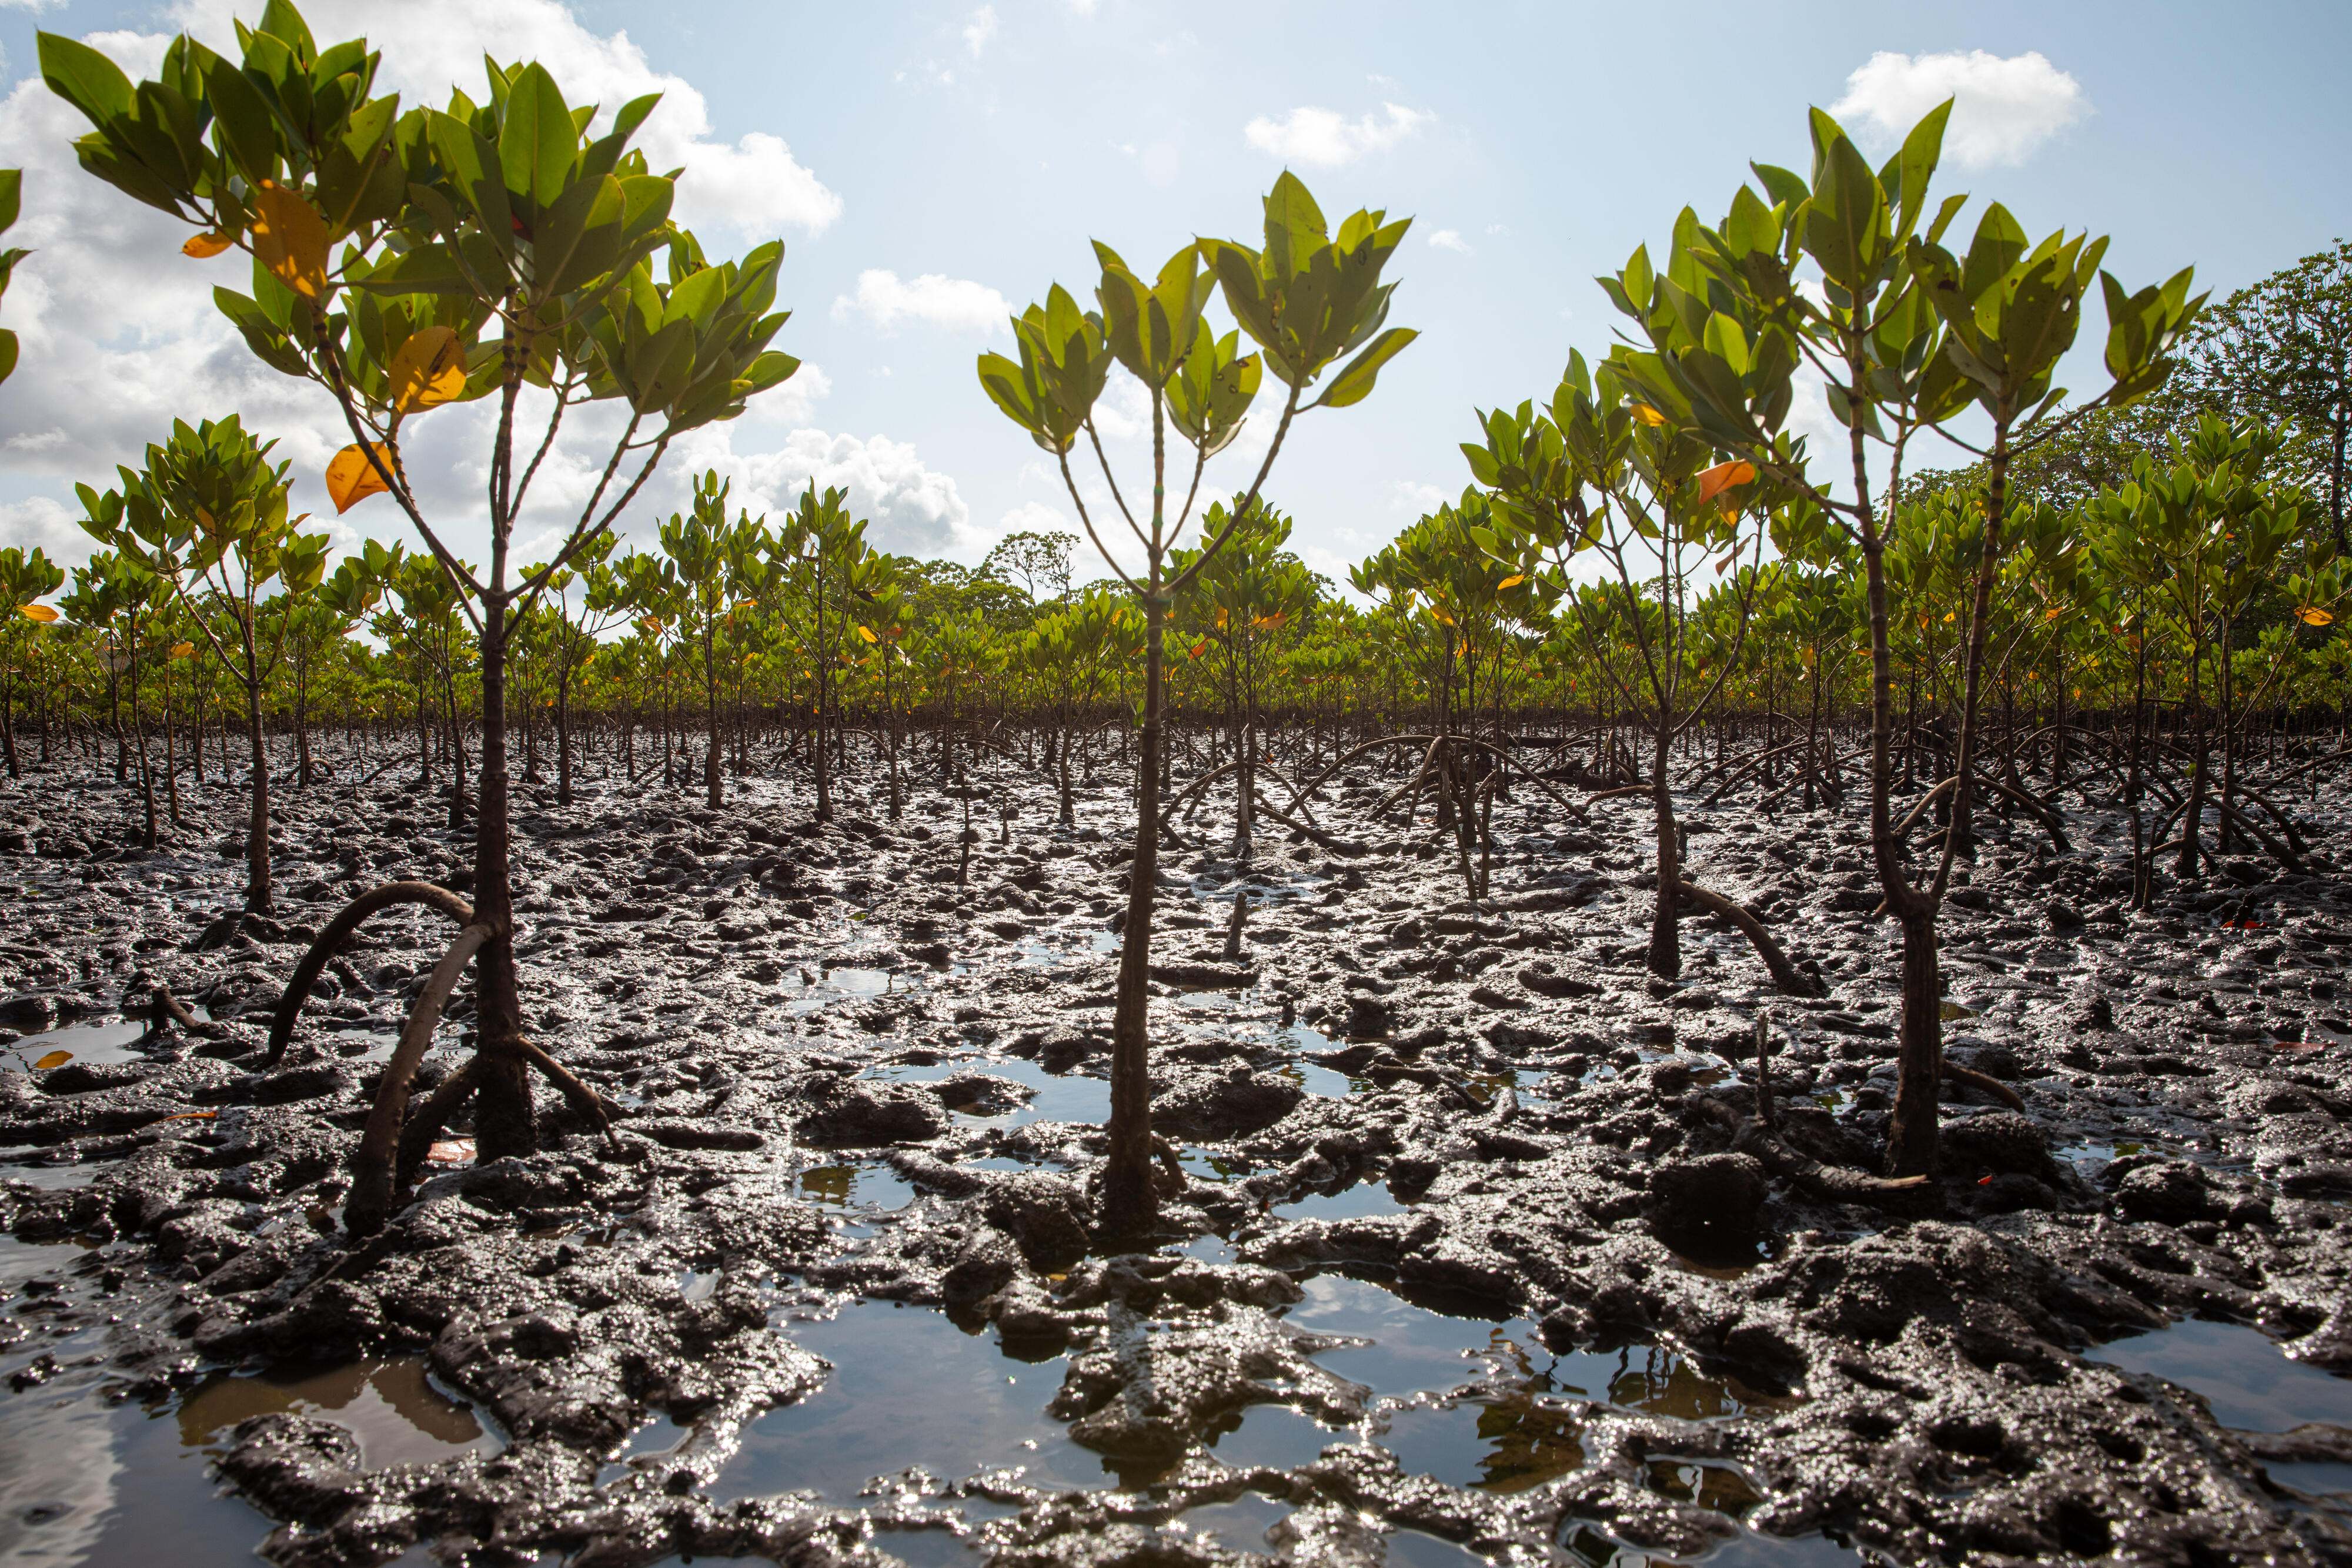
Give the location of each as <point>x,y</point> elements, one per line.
<point>1471,1261</point>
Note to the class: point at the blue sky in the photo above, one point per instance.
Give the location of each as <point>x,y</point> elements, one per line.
<point>925,162</point>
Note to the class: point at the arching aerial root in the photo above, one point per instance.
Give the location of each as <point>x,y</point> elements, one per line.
<point>1785,975</point>
<point>338,931</point>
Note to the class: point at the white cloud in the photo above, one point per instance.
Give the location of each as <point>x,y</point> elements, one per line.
<point>913,509</point>
<point>1322,137</point>
<point>1083,7</point>
<point>752,185</point>
<point>2003,108</point>
<point>1451,239</point>
<point>35,6</point>
<point>958,304</point>
<point>39,522</point>
<point>980,30</point>
<point>1415,496</point>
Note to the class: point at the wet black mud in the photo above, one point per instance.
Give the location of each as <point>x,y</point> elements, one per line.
<point>1465,1264</point>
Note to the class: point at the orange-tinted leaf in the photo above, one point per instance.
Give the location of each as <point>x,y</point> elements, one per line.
<point>1199,647</point>
<point>1724,476</point>
<point>2313,615</point>
<point>868,633</point>
<point>53,1059</point>
<point>289,238</point>
<point>192,1116</point>
<point>428,371</point>
<point>184,649</point>
<point>351,478</point>
<point>40,613</point>
<point>450,1152</point>
<point>204,247</point>
<point>1513,580</point>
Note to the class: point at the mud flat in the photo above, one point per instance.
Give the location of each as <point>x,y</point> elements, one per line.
<point>1472,1256</point>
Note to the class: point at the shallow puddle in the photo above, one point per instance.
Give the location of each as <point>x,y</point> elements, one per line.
<point>390,1405</point>
<point>865,1184</point>
<point>1365,1200</point>
<point>1425,1342</point>
<point>2250,1383</point>
<point>907,1388</point>
<point>97,1044</point>
<point>94,1485</point>
<point>1053,1096</point>
<point>1278,1437</point>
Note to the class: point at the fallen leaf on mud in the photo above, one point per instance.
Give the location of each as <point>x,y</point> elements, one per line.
<point>451,1152</point>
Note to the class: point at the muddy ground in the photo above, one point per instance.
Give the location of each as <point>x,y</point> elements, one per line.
<point>1465,1260</point>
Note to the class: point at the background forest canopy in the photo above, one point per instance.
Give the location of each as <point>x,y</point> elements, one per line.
<point>725,616</point>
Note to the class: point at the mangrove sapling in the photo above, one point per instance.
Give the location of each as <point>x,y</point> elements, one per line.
<point>1908,338</point>
<point>24,581</point>
<point>711,577</point>
<point>1660,508</point>
<point>403,262</point>
<point>207,516</point>
<point>1235,616</point>
<point>1306,299</point>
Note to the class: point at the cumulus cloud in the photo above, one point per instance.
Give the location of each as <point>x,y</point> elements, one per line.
<point>1416,495</point>
<point>752,185</point>
<point>2002,108</point>
<point>978,29</point>
<point>1324,139</point>
<point>958,304</point>
<point>913,509</point>
<point>1451,239</point>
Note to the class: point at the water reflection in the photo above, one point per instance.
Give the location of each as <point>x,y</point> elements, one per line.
<point>389,1404</point>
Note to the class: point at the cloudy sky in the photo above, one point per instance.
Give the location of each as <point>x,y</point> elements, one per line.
<point>930,166</point>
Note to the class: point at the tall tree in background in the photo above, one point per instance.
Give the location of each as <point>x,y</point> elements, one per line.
<point>2280,352</point>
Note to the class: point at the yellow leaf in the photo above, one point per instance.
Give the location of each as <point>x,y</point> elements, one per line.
<point>1648,415</point>
<point>204,247</point>
<point>1949,615</point>
<point>428,371</point>
<point>184,649</point>
<point>192,1116</point>
<point>289,238</point>
<point>1513,580</point>
<point>40,613</point>
<point>54,1058</point>
<point>1274,621</point>
<point>2055,612</point>
<point>2312,615</point>
<point>351,478</point>
<point>868,633</point>
<point>1724,476</point>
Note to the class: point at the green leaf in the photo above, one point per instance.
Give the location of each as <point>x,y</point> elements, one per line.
<point>249,131</point>
<point>84,77</point>
<point>12,183</point>
<point>536,141</point>
<point>1354,383</point>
